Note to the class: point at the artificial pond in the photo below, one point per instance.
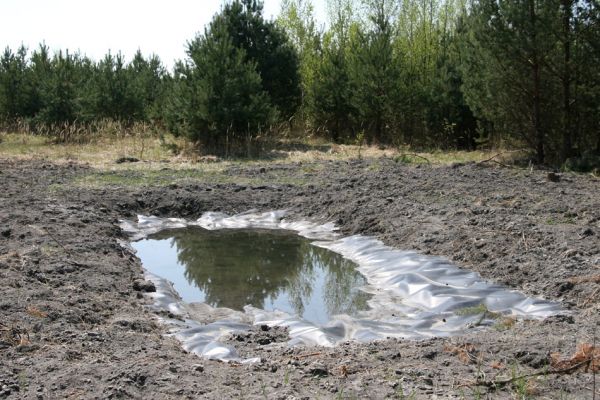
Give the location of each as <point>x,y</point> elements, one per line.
<point>386,292</point>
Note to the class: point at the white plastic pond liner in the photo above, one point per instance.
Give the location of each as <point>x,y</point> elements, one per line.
<point>413,296</point>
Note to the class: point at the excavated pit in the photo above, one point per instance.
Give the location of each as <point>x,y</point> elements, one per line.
<point>77,325</point>
<point>222,274</point>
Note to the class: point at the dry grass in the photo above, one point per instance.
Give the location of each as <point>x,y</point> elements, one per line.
<point>102,151</point>
<point>585,279</point>
<point>35,312</point>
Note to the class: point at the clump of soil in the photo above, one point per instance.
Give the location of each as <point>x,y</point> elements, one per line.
<point>73,325</point>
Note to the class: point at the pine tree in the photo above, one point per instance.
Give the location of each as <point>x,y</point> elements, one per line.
<point>147,89</point>
<point>506,75</point>
<point>297,19</point>
<point>329,97</point>
<point>59,92</point>
<point>267,46</point>
<point>218,97</point>
<point>374,71</point>
<point>17,91</point>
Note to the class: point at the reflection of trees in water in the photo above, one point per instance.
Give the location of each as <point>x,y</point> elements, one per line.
<point>341,283</point>
<point>238,267</point>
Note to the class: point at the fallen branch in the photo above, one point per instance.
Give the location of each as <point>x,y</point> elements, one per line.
<point>46,231</point>
<point>307,355</point>
<point>492,158</point>
<point>59,243</point>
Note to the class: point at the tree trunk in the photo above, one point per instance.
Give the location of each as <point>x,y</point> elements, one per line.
<point>567,142</point>
<point>535,70</point>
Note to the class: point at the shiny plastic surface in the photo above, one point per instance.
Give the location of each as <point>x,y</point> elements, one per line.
<point>414,296</point>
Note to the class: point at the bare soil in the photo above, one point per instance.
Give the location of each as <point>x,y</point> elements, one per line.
<point>73,326</point>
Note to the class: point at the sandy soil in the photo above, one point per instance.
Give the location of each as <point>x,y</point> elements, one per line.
<point>73,326</point>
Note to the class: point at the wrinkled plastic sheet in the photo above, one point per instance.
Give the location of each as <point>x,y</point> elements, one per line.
<point>413,296</point>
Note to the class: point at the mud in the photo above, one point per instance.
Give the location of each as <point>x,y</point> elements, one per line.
<point>73,321</point>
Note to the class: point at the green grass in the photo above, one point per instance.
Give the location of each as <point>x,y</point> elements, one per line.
<point>473,310</point>
<point>558,221</point>
<point>479,309</point>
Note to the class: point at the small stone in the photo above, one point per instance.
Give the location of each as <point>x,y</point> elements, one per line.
<point>26,348</point>
<point>428,381</point>
<point>265,341</point>
<point>198,367</point>
<point>318,369</point>
<point>144,286</point>
<point>565,287</point>
<point>586,232</point>
<point>6,232</point>
<point>553,177</point>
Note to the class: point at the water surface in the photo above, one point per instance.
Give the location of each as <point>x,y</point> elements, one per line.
<point>268,269</point>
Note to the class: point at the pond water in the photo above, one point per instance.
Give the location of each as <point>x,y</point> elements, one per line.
<point>268,269</point>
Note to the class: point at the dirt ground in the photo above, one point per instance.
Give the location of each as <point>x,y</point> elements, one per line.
<point>73,326</point>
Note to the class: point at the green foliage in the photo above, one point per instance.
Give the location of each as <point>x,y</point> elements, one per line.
<point>529,72</point>
<point>218,97</point>
<point>298,21</point>
<point>375,72</point>
<point>241,77</point>
<point>17,90</point>
<point>266,45</point>
<point>47,91</point>
<point>393,74</point>
<point>59,92</point>
<point>450,74</point>
<point>328,100</point>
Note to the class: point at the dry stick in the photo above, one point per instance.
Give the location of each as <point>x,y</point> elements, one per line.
<point>525,241</point>
<point>307,355</point>
<point>593,370</point>
<point>59,243</point>
<point>498,155</point>
<point>516,378</point>
<point>590,298</point>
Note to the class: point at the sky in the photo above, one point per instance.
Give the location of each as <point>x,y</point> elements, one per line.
<point>94,27</point>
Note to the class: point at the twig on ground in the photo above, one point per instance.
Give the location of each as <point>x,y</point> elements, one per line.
<point>47,232</point>
<point>524,240</point>
<point>593,369</point>
<point>590,299</point>
<point>307,355</point>
<point>493,158</point>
